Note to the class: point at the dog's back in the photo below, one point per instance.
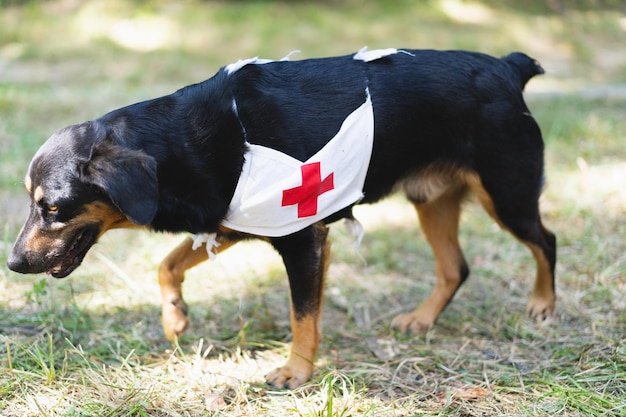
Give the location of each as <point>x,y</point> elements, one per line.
<point>429,106</point>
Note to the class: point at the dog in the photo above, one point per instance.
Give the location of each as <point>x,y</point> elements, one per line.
<point>278,150</point>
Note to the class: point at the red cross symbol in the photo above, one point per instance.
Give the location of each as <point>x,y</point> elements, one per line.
<point>305,195</point>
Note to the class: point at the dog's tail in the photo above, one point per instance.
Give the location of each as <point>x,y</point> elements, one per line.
<point>525,66</point>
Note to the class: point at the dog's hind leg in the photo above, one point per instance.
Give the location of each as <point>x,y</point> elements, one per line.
<point>439,220</point>
<point>518,212</point>
<point>508,181</point>
<point>306,255</point>
<point>171,276</point>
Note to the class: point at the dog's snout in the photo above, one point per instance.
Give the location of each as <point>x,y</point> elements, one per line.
<point>21,258</point>
<point>18,262</point>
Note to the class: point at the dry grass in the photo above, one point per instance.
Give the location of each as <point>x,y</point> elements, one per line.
<point>95,348</point>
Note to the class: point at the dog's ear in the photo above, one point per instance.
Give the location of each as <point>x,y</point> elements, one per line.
<point>126,175</point>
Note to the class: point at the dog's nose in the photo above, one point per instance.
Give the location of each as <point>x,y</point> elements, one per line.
<point>17,262</point>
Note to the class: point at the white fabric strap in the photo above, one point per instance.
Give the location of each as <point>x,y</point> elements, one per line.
<point>208,239</point>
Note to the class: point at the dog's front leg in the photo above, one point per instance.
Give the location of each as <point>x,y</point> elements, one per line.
<point>305,255</point>
<point>171,276</point>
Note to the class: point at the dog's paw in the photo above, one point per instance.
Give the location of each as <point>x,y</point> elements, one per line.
<point>174,319</point>
<point>410,323</point>
<point>541,307</point>
<point>288,377</point>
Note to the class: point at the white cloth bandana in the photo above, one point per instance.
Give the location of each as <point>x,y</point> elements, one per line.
<point>278,195</point>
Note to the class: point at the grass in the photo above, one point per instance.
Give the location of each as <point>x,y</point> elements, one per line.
<point>91,345</point>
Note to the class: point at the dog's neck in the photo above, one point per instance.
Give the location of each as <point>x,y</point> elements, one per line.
<point>190,134</point>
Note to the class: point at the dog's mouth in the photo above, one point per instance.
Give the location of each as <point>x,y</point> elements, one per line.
<point>75,254</point>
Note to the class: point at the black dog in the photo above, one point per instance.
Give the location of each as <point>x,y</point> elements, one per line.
<point>277,150</point>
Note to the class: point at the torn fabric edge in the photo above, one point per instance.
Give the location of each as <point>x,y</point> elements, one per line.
<point>356,229</point>
<point>236,66</point>
<point>210,239</point>
<point>367,56</point>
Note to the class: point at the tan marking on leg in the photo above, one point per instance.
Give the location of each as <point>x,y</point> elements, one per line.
<point>299,366</point>
<point>306,331</point>
<point>542,302</point>
<point>171,276</point>
<point>476,185</point>
<point>439,220</point>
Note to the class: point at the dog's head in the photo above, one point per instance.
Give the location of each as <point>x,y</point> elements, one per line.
<point>82,182</point>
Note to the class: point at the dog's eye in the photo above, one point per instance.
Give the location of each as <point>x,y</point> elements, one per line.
<point>50,209</point>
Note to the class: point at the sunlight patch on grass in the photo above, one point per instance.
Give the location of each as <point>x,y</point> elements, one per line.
<point>467,12</point>
<point>144,34</point>
<point>395,211</point>
<point>599,187</point>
